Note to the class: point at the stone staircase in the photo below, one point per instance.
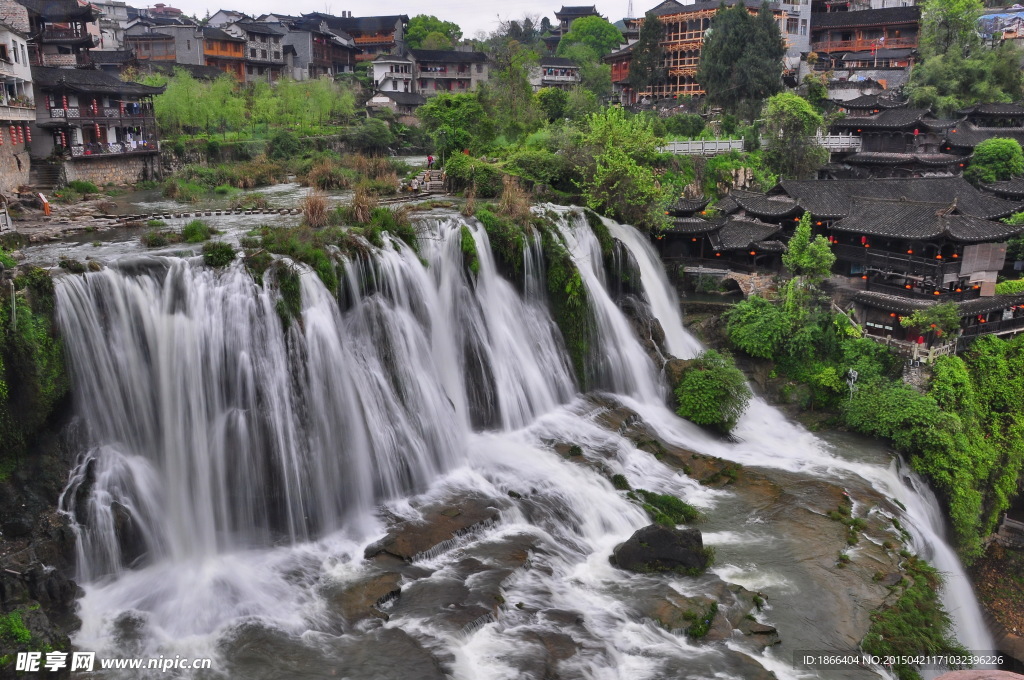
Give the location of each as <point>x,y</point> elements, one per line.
<point>44,176</point>
<point>431,182</point>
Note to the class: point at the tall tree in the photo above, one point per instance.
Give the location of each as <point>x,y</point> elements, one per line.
<point>594,32</point>
<point>741,61</point>
<point>791,148</point>
<point>948,82</point>
<point>950,25</point>
<point>422,25</point>
<point>508,95</point>
<point>646,67</point>
<point>594,75</point>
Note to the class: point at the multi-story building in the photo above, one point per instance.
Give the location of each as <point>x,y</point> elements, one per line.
<point>223,17</point>
<point>111,20</point>
<point>264,49</point>
<point>97,126</point>
<point>557,72</point>
<point>165,40</point>
<point>224,51</point>
<point>372,35</point>
<point>429,72</point>
<point>61,32</point>
<point>864,33</point>
<point>319,50</point>
<point>16,107</point>
<point>685,26</point>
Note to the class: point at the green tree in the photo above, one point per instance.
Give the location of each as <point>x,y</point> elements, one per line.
<point>646,67</point>
<point>180,105</point>
<point>741,61</point>
<point>616,166</point>
<point>508,95</point>
<point>226,105</point>
<point>757,326</point>
<point>807,256</point>
<point>950,26</point>
<point>995,160</point>
<point>594,32</point>
<point>436,41</point>
<point>422,25</point>
<point>948,82</point>
<point>457,122</point>
<point>942,319</point>
<point>791,125</point>
<point>580,103</point>
<point>552,100</point>
<point>594,75</point>
<point>712,392</point>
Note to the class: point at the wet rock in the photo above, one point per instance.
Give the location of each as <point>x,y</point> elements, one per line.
<point>762,635</point>
<point>657,548</point>
<point>646,328</point>
<point>438,526</point>
<point>361,600</point>
<point>675,368</point>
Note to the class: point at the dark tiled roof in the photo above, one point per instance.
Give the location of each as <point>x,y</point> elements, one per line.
<point>740,233</point>
<point>920,222</point>
<point>687,206</point>
<point>939,123</point>
<point>404,98</point>
<point>261,28</point>
<point>770,247</point>
<point>832,198</point>
<point>692,225</point>
<point>672,7</point>
<point>393,57</point>
<point>761,205</point>
<point>1013,188</point>
<point>361,24</point>
<point>577,11</point>
<point>560,62</point>
<point>887,158</point>
<point>111,56</point>
<point>867,17</point>
<point>993,110</point>
<point>449,56</point>
<point>888,118</point>
<point>148,36</point>
<point>88,81</point>
<point>59,10</point>
<point>968,136</point>
<point>902,305</point>
<point>218,34</point>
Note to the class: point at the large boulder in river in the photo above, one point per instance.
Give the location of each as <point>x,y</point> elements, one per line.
<point>657,548</point>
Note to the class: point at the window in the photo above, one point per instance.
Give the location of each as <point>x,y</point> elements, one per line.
<point>479,68</point>
<point>24,57</point>
<point>188,44</point>
<point>277,41</point>
<point>277,55</point>
<point>792,25</point>
<point>263,54</point>
<point>252,52</point>
<point>3,52</point>
<point>248,70</point>
<point>803,27</point>
<point>394,84</point>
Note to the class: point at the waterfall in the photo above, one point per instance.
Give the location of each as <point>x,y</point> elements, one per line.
<point>239,461</point>
<point>769,439</point>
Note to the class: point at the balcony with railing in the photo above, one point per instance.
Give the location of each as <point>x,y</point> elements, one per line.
<point>923,294</point>
<point>15,111</point>
<point>73,34</point>
<point>896,263</point>
<point>95,150</point>
<point>102,112</point>
<point>1005,327</point>
<point>863,45</point>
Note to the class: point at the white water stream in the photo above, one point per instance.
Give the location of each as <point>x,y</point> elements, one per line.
<point>236,469</point>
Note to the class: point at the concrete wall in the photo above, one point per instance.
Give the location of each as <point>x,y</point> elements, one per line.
<point>116,169</point>
<point>11,174</point>
<point>188,44</point>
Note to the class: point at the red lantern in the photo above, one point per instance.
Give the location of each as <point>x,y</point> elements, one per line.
<point>14,136</point>
<point>1,137</point>
<point>28,134</point>
<point>865,277</point>
<point>938,257</point>
<point>97,126</point>
<point>65,100</point>
<point>753,252</point>
<point>935,293</point>
<point>910,252</point>
<point>892,314</point>
<point>908,286</point>
<point>955,256</point>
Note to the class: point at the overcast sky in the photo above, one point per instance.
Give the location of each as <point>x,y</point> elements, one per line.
<point>472,15</point>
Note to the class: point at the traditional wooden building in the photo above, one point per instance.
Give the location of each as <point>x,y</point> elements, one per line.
<point>557,72</point>
<point>264,49</point>
<point>865,31</point>
<point>685,26</point>
<point>430,72</point>
<point>881,315</point>
<point>224,51</point>
<point>90,120</point>
<point>372,35</point>
<point>61,32</point>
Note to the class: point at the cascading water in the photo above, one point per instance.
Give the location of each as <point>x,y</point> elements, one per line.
<point>239,460</point>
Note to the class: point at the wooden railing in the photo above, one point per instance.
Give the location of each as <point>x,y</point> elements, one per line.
<point>862,45</point>
<point>995,327</point>
<point>969,294</point>
<point>111,148</point>
<point>895,263</point>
